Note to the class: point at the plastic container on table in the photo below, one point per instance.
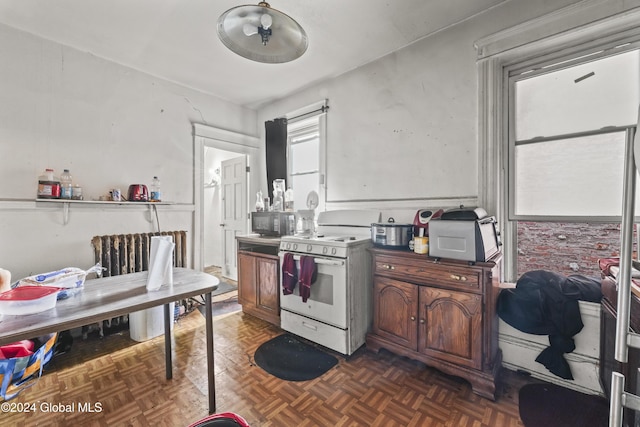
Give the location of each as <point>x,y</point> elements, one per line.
<point>28,300</point>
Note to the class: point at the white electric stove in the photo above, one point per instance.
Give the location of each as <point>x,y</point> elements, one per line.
<point>337,313</point>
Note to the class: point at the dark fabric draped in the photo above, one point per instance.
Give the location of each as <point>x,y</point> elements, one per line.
<point>276,151</point>
<point>546,303</point>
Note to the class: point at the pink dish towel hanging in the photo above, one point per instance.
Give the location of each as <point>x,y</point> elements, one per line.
<point>307,276</point>
<point>289,274</point>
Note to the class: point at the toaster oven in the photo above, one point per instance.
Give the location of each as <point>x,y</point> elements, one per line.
<point>467,240</point>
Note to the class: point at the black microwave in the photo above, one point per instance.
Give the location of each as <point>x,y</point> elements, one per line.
<point>273,223</point>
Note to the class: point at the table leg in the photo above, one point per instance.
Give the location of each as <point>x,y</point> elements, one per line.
<point>167,342</point>
<point>210,365</point>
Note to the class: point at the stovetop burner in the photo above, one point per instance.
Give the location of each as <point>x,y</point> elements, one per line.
<point>323,238</point>
<point>337,232</point>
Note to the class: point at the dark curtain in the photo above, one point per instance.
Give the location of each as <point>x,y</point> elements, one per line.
<point>276,151</point>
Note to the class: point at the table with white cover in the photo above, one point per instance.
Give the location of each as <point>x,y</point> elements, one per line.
<point>109,297</point>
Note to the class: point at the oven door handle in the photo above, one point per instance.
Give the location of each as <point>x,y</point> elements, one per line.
<point>324,261</point>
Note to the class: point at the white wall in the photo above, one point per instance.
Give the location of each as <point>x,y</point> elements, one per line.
<point>111,126</point>
<point>402,131</point>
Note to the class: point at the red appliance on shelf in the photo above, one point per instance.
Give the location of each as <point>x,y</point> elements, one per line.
<point>138,193</point>
<point>422,218</point>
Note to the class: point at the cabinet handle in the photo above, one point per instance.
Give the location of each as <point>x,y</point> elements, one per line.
<point>422,321</point>
<point>458,277</point>
<point>388,267</point>
<point>413,318</point>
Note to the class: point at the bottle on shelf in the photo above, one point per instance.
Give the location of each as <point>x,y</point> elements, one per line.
<point>259,202</point>
<point>278,194</point>
<point>66,185</point>
<point>76,193</point>
<point>288,200</point>
<point>277,201</point>
<point>156,194</point>
<point>48,185</point>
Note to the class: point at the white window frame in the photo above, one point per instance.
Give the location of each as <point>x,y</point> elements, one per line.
<point>298,127</point>
<point>544,65</point>
<point>546,37</point>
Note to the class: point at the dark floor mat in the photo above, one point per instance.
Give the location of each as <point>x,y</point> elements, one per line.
<point>291,359</point>
<point>549,405</point>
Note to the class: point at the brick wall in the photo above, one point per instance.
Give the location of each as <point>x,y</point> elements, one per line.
<point>566,248</point>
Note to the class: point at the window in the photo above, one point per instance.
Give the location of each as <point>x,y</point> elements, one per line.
<point>569,123</point>
<point>569,128</point>
<point>552,158</point>
<point>305,156</point>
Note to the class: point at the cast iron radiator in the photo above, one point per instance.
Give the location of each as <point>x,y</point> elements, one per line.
<point>129,253</point>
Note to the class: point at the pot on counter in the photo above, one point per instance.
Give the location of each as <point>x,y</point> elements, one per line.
<point>391,234</point>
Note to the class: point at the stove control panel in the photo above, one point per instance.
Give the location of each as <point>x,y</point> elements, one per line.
<point>314,249</point>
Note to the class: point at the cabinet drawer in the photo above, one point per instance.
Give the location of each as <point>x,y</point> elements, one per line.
<point>463,278</point>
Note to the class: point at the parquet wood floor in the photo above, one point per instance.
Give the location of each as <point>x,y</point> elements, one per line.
<point>126,380</point>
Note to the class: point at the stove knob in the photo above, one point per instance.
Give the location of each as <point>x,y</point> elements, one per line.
<point>288,246</point>
<point>295,246</point>
<point>333,251</point>
<point>309,247</point>
<point>324,250</point>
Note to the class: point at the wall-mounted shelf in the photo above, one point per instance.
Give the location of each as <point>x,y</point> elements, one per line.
<point>67,203</point>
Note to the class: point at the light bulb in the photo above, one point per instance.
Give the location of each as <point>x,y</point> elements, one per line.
<point>249,29</point>
<point>266,20</point>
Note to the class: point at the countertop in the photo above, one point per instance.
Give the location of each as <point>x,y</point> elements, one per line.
<point>406,253</point>
<point>257,239</point>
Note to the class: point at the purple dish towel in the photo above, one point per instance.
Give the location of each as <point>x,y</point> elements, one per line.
<point>289,274</point>
<point>308,272</point>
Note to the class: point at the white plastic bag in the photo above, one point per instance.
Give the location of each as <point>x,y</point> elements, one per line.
<point>71,279</point>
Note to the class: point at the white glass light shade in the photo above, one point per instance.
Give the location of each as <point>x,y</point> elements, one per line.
<point>288,40</point>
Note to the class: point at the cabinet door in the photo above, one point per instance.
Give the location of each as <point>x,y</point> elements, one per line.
<point>395,306</point>
<point>267,272</point>
<point>246,279</point>
<point>451,326</point>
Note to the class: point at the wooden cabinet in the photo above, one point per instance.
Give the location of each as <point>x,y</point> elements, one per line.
<point>259,280</point>
<point>441,312</point>
<point>454,330</point>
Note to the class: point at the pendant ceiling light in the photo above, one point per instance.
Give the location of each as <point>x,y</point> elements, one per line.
<point>262,34</point>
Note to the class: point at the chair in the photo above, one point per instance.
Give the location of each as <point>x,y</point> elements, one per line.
<point>223,419</point>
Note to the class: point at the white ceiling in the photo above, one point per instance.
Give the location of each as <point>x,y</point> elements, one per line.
<point>177,41</point>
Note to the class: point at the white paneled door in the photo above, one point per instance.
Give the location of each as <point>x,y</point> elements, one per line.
<point>234,211</point>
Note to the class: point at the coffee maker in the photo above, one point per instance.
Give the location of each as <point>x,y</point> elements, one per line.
<point>421,221</point>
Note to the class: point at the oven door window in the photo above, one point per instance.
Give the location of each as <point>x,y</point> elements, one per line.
<point>327,301</point>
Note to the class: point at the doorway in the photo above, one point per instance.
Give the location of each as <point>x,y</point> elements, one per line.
<point>213,149</point>
<point>212,207</point>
